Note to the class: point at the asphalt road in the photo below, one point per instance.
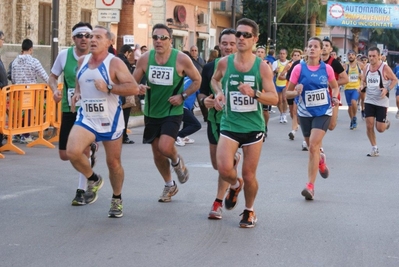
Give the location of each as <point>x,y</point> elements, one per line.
<point>353,220</point>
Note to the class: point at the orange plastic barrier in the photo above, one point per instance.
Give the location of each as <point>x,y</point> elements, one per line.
<point>54,111</point>
<point>23,110</point>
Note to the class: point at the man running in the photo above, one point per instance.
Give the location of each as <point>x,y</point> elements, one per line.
<point>352,88</point>
<point>242,83</point>
<point>164,68</point>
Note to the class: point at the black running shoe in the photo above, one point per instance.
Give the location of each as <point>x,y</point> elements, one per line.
<point>248,219</point>
<point>79,199</point>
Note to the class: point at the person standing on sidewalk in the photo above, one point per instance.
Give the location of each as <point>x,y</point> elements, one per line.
<point>242,83</point>
<point>67,62</point>
<point>227,46</point>
<point>309,84</point>
<point>101,79</point>
<point>24,70</point>
<point>165,68</point>
<point>379,79</point>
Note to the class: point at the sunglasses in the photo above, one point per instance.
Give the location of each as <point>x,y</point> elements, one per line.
<point>228,31</point>
<point>246,35</point>
<point>160,37</point>
<point>81,35</point>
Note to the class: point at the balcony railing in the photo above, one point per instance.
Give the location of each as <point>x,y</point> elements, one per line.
<point>224,7</point>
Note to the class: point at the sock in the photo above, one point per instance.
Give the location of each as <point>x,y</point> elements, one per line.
<point>310,186</point>
<point>93,177</point>
<point>118,196</point>
<point>177,163</point>
<point>82,182</point>
<point>374,147</point>
<point>170,183</point>
<point>237,184</point>
<point>250,209</point>
<point>219,200</point>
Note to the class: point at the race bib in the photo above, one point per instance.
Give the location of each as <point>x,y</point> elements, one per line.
<point>242,103</point>
<point>70,93</point>
<point>353,78</point>
<point>316,98</point>
<point>160,75</point>
<point>95,108</point>
<point>373,80</point>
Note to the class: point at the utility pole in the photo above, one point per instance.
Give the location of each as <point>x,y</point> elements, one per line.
<point>275,26</point>
<point>306,24</point>
<point>233,14</point>
<point>54,26</point>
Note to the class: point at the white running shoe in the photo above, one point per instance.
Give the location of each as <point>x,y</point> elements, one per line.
<point>188,140</point>
<point>179,142</point>
<point>285,118</point>
<point>304,146</point>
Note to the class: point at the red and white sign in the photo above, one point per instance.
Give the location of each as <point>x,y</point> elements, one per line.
<point>109,4</point>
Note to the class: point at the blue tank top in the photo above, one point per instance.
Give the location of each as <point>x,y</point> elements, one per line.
<point>314,100</point>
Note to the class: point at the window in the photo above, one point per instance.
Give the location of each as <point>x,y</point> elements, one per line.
<point>85,15</point>
<point>44,23</point>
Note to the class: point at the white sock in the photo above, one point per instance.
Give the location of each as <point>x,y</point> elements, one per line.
<point>82,182</point>
<point>170,183</point>
<point>250,209</point>
<point>375,147</point>
<point>237,184</point>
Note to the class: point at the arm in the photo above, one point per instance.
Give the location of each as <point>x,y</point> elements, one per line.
<point>185,66</point>
<point>40,71</point>
<point>3,76</point>
<point>205,93</point>
<point>217,85</point>
<point>76,96</point>
<point>139,72</point>
<point>53,83</point>
<point>124,84</point>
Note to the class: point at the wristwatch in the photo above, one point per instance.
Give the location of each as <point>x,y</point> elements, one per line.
<point>257,94</point>
<point>109,87</point>
<point>184,96</point>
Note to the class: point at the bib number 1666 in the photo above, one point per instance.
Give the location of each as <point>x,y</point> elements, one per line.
<point>94,107</point>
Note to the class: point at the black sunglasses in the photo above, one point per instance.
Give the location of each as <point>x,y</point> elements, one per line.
<point>81,35</point>
<point>160,37</point>
<point>246,35</point>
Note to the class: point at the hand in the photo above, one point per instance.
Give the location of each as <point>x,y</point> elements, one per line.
<point>143,88</point>
<point>219,101</point>
<point>299,88</point>
<point>75,98</point>
<point>335,101</point>
<point>57,96</point>
<point>209,101</point>
<point>245,89</point>
<point>176,100</point>
<point>384,92</point>
<point>101,85</point>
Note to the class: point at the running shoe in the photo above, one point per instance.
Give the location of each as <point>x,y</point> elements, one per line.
<point>351,125</point>
<point>25,139</point>
<point>248,219</point>
<point>291,135</point>
<point>79,199</point>
<point>308,192</point>
<point>179,142</point>
<point>374,153</point>
<point>168,193</point>
<point>354,122</point>
<point>181,171</point>
<point>92,190</point>
<point>281,119</point>
<point>216,211</point>
<point>231,199</point>
<point>397,115</point>
<point>116,208</point>
<point>323,169</point>
<point>188,140</point>
<point>285,118</point>
<point>304,146</point>
<point>363,114</point>
<point>93,150</point>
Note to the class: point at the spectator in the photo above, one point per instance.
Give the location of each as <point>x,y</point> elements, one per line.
<point>218,49</point>
<point>124,53</point>
<point>111,48</point>
<point>199,64</point>
<point>214,54</point>
<point>3,76</point>
<point>26,69</point>
<point>270,56</point>
<point>137,53</point>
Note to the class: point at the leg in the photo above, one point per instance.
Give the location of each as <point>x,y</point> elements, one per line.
<point>370,121</point>
<point>113,156</point>
<point>251,155</point>
<point>160,146</point>
<point>126,115</point>
<point>315,141</point>
<point>226,150</point>
<point>190,124</point>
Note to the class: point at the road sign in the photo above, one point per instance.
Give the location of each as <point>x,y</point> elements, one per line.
<point>109,4</point>
<point>128,39</point>
<point>108,15</point>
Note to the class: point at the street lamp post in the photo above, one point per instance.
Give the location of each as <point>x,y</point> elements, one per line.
<point>54,25</point>
<point>306,23</point>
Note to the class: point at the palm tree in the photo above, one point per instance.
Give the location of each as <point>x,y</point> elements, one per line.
<point>317,11</point>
